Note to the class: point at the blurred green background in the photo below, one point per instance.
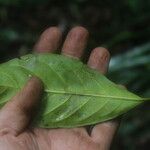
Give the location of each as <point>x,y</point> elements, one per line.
<point>121,26</point>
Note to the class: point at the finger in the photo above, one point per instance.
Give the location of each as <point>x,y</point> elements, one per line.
<point>16,114</point>
<point>102,133</point>
<point>74,46</point>
<point>49,41</point>
<point>75,42</point>
<point>99,59</point>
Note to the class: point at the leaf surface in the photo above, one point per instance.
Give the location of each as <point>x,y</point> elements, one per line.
<point>75,95</point>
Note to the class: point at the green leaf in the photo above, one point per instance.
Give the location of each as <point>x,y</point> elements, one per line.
<point>75,95</point>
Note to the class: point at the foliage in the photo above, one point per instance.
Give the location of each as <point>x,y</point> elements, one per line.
<point>120,26</point>
<point>75,95</point>
<point>117,27</point>
<point>132,69</point>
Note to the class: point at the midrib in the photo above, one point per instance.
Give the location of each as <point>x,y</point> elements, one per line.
<point>85,94</point>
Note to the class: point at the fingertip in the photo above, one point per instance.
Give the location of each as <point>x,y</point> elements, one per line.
<point>80,30</point>
<point>31,93</point>
<point>55,31</point>
<point>49,40</point>
<point>35,82</point>
<point>75,42</point>
<point>99,59</point>
<point>33,89</point>
<point>102,52</point>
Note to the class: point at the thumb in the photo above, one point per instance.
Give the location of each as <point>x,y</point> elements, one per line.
<point>16,114</point>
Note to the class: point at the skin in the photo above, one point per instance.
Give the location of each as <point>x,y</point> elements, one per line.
<point>15,116</point>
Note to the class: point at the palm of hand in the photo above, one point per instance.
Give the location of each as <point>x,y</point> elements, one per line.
<point>51,139</point>
<point>16,136</point>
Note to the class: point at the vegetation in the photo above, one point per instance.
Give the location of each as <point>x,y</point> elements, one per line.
<point>132,69</point>
<point>74,96</point>
<point>122,26</point>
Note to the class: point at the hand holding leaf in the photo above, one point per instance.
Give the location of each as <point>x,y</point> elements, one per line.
<point>75,95</point>
<point>101,135</point>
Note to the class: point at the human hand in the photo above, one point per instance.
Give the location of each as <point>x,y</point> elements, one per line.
<point>15,133</point>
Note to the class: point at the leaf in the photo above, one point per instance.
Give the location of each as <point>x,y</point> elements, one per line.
<point>75,95</point>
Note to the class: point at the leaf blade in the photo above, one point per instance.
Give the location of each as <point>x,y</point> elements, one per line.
<point>75,95</point>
